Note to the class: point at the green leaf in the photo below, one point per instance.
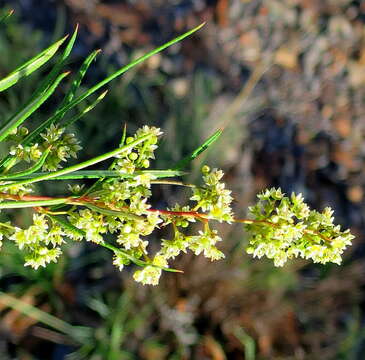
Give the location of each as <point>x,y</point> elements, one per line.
<point>85,110</point>
<point>98,174</point>
<point>124,135</point>
<point>9,160</point>
<point>30,66</point>
<point>32,136</point>
<point>57,68</point>
<point>17,204</point>
<point>247,341</point>
<point>6,15</point>
<point>186,160</point>
<point>77,81</point>
<point>109,212</point>
<point>60,113</point>
<point>29,109</point>
<point>67,225</point>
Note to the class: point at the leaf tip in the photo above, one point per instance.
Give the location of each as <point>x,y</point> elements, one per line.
<point>200,26</point>
<point>103,94</point>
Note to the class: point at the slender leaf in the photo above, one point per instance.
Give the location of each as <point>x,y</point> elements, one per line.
<point>9,160</point>
<point>32,136</point>
<point>122,140</point>
<point>30,66</point>
<point>115,213</point>
<point>77,333</point>
<point>77,81</point>
<point>186,160</point>
<point>29,109</point>
<point>57,68</point>
<point>97,174</point>
<point>6,15</point>
<point>17,204</point>
<point>67,225</point>
<point>86,110</point>
<point>247,341</point>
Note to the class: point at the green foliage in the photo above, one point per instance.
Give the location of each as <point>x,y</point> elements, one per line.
<point>118,202</point>
<point>30,66</point>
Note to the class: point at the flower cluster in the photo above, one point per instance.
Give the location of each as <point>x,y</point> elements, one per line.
<point>284,227</point>
<point>92,223</point>
<point>20,152</point>
<point>281,227</point>
<point>18,134</point>
<point>40,242</point>
<point>203,243</point>
<point>62,146</point>
<point>26,153</point>
<point>16,189</point>
<point>140,155</point>
<point>213,196</point>
<point>126,212</point>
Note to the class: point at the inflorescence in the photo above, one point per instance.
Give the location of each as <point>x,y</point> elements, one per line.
<point>280,227</point>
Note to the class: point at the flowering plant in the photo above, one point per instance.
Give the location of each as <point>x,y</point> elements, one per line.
<point>119,201</point>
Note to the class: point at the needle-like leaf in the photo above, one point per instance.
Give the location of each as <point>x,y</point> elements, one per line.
<point>18,118</point>
<point>97,174</point>
<point>102,83</point>
<point>186,160</point>
<point>30,66</point>
<point>6,15</point>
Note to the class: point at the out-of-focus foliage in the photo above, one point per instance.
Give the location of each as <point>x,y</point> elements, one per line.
<point>301,129</point>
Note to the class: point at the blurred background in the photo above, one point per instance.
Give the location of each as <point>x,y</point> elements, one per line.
<point>286,78</point>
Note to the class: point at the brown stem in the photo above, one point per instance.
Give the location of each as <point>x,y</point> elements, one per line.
<point>201,216</point>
